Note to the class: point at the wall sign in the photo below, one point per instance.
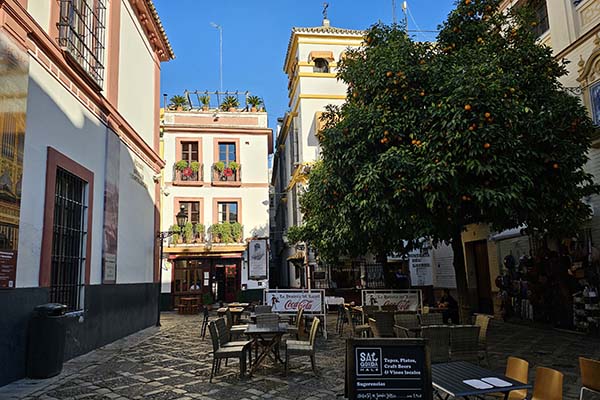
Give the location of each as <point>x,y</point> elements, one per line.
<point>421,272</point>
<point>405,300</point>
<point>289,302</point>
<point>8,269</point>
<point>388,369</point>
<point>257,262</point>
<point>111,208</point>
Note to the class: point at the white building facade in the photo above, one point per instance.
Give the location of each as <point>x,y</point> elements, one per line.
<point>227,188</point>
<point>79,119</point>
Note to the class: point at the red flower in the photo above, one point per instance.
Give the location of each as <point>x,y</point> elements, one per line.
<point>187,172</point>
<point>228,172</point>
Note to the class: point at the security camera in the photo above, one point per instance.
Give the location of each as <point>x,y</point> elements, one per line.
<point>156,178</point>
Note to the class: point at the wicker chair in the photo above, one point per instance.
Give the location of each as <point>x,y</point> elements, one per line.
<point>590,376</point>
<point>267,320</point>
<point>439,342</point>
<point>303,348</point>
<point>298,329</point>
<point>220,353</point>
<point>431,319</point>
<point>483,322</point>
<point>463,343</point>
<point>235,330</point>
<point>382,324</point>
<point>407,323</point>
<point>262,309</point>
<point>225,336</point>
<point>358,330</point>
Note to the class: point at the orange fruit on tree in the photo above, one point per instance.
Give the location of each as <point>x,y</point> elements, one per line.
<point>389,73</point>
<point>422,93</point>
<point>355,95</point>
<point>487,115</point>
<point>464,198</point>
<point>555,165</point>
<point>467,2</point>
<point>413,141</point>
<point>385,133</point>
<point>467,107</point>
<point>487,146</point>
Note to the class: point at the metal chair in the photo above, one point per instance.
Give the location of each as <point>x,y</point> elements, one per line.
<point>220,353</point>
<point>431,319</point>
<point>483,321</point>
<point>590,376</point>
<point>408,323</point>
<point>548,384</point>
<point>463,343</point>
<point>204,322</point>
<point>356,329</point>
<point>382,324</point>
<point>439,342</point>
<point>303,348</point>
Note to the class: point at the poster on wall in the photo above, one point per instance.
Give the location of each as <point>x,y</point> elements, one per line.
<point>288,301</point>
<point>111,208</point>
<point>257,259</point>
<point>421,272</point>
<point>13,107</point>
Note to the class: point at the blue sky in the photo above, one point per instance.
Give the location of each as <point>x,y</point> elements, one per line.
<point>255,39</point>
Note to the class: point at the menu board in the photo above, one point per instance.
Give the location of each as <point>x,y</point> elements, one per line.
<point>388,369</point>
<point>8,269</point>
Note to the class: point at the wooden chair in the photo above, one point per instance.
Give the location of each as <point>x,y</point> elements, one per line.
<point>439,342</point>
<point>483,321</point>
<point>590,376</point>
<point>358,330</point>
<point>548,384</point>
<point>220,353</point>
<point>463,343</point>
<point>368,311</point>
<point>303,348</point>
<point>407,323</point>
<point>382,324</point>
<point>431,319</point>
<point>262,309</point>
<point>298,329</point>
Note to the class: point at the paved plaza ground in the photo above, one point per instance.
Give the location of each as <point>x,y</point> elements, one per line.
<point>174,363</point>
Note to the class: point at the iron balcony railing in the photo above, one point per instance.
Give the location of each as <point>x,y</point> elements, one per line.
<point>227,174</point>
<point>188,175</point>
<point>81,34</point>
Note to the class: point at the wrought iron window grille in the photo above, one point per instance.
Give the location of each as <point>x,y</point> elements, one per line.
<point>81,34</point>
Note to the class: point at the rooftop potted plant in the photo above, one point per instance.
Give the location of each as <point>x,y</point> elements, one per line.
<point>178,103</point>
<point>205,101</point>
<point>254,102</point>
<point>230,103</point>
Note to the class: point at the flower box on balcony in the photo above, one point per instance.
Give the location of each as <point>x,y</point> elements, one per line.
<point>188,173</point>
<point>226,174</point>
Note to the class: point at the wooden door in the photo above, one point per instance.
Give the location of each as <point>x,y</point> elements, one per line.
<point>479,258</point>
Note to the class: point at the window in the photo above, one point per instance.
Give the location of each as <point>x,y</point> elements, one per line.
<point>227,152</point>
<point>321,65</point>
<point>68,239</point>
<point>192,209</point>
<point>81,33</point>
<point>189,151</point>
<point>595,100</point>
<point>227,212</point>
<point>540,12</point>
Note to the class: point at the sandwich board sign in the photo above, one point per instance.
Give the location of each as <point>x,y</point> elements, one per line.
<point>388,369</point>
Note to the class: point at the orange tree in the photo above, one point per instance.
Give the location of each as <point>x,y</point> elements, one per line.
<point>472,129</point>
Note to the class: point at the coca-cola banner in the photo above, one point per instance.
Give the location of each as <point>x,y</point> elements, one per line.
<point>283,301</point>
<point>404,300</point>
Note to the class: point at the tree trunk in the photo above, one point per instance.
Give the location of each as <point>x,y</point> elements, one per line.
<point>460,272</point>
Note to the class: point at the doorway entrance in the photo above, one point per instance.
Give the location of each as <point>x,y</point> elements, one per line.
<point>226,284</point>
<point>477,261</point>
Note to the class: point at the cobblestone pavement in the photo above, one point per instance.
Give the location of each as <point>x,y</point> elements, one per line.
<point>174,363</point>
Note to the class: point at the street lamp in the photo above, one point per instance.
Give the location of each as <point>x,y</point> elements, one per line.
<point>181,218</point>
<point>220,28</point>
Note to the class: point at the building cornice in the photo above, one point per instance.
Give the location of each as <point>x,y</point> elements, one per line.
<point>221,130</point>
<point>153,28</point>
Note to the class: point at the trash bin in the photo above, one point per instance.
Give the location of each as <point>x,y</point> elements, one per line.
<point>46,346</point>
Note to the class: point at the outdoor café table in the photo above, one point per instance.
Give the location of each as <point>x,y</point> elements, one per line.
<point>188,305</point>
<point>243,305</point>
<point>236,313</point>
<point>448,378</point>
<point>253,316</point>
<point>268,340</point>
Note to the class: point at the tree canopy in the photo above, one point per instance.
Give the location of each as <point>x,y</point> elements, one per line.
<point>474,128</point>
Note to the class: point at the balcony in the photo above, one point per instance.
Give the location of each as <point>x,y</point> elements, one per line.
<point>189,174</point>
<point>230,175</point>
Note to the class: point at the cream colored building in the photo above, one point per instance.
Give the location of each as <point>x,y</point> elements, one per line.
<point>311,66</point>
<point>79,120</point>
<point>229,183</point>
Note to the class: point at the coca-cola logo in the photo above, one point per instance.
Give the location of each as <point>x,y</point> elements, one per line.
<point>295,305</point>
